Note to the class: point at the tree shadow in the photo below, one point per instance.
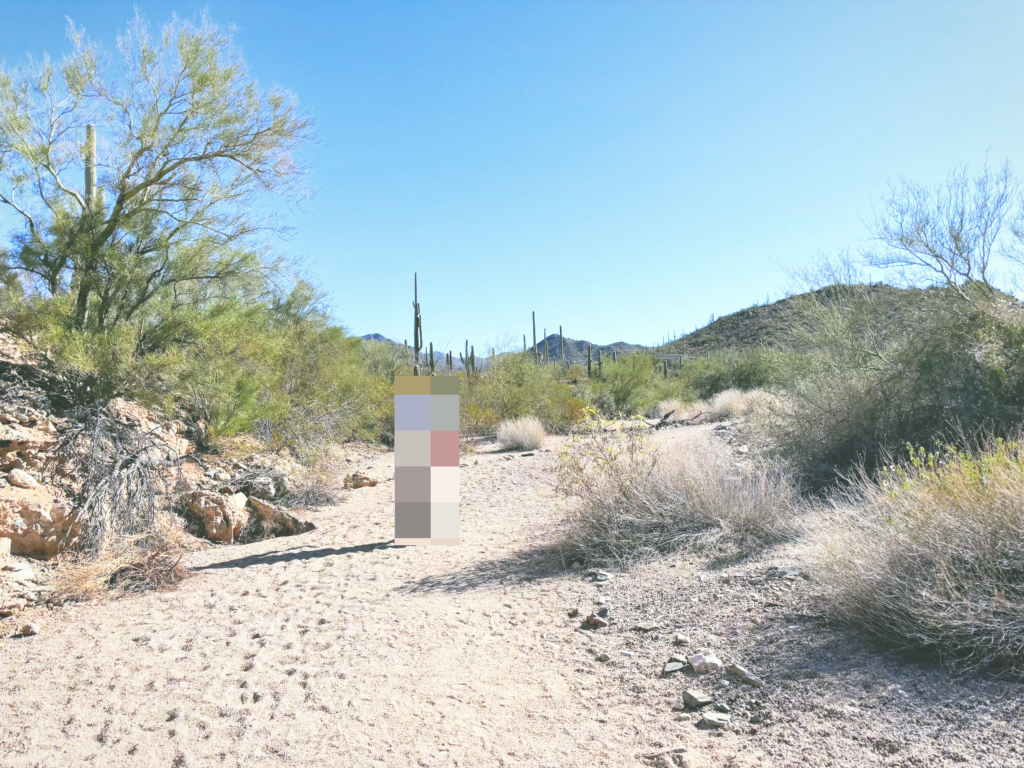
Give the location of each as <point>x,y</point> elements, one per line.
<point>289,555</point>
<point>523,567</point>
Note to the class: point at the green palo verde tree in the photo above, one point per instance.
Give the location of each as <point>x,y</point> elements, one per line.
<point>166,219</point>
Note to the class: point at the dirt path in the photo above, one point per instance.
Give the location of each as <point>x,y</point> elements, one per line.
<point>335,648</point>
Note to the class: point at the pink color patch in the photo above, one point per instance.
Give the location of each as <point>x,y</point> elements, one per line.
<point>444,449</point>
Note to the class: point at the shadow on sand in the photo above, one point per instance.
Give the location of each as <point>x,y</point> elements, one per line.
<point>288,555</point>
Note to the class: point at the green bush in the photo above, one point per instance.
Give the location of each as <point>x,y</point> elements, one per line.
<point>514,386</point>
<point>864,388</point>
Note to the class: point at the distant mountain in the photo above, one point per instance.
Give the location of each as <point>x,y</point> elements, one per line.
<point>575,350</point>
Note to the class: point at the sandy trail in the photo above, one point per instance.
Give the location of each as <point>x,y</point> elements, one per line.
<point>336,648</point>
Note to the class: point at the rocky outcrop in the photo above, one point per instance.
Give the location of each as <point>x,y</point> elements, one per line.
<point>20,588</point>
<point>223,517</point>
<point>279,520</point>
<point>39,529</point>
<point>169,433</point>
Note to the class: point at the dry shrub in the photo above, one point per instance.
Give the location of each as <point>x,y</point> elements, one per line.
<point>126,566</point>
<point>522,434</point>
<point>730,404</point>
<point>113,473</point>
<point>636,502</point>
<point>930,554</point>
<point>319,485</point>
<point>735,404</point>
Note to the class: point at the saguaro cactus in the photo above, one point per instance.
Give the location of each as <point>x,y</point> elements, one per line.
<point>431,357</point>
<point>469,362</point>
<point>417,325</point>
<point>534,337</point>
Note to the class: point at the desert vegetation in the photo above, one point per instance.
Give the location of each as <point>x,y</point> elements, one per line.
<point>635,501</point>
<point>524,433</point>
<point>159,282</point>
<point>927,553</point>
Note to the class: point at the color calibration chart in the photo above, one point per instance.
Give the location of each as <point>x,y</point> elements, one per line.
<point>427,460</point>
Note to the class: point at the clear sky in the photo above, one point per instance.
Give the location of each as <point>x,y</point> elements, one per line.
<point>623,168</point>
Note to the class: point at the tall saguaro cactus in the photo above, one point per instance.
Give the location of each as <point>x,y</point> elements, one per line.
<point>417,325</point>
<point>431,357</point>
<point>469,363</point>
<point>534,337</point>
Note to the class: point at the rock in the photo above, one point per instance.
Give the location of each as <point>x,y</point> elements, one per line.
<point>680,640</point>
<point>574,612</point>
<point>628,654</point>
<point>672,667</point>
<point>596,621</point>
<point>22,572</point>
<point>602,576</point>
<point>744,675</point>
<point>716,720</point>
<point>704,662</point>
<point>11,606</point>
<point>647,626</point>
<point>284,521</point>
<point>602,612</point>
<point>38,529</point>
<point>724,708</point>
<point>30,629</point>
<point>22,479</point>
<point>262,488</point>
<point>604,657</point>
<point>695,699</point>
<point>220,475</point>
<point>680,659</point>
<point>224,517</point>
<point>359,480</point>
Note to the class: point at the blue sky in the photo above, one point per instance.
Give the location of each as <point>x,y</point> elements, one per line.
<point>623,168</point>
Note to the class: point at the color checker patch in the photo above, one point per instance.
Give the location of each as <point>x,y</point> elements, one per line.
<point>427,460</point>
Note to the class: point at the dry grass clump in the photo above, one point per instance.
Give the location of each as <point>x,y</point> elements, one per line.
<point>676,407</point>
<point>735,404</point>
<point>930,555</point>
<point>636,502</point>
<point>126,566</point>
<point>522,434</point>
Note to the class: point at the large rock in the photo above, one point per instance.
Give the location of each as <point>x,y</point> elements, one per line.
<point>284,522</point>
<point>38,529</point>
<point>262,487</point>
<point>16,437</point>
<point>22,479</point>
<point>223,517</point>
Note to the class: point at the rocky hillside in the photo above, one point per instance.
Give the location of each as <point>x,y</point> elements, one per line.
<point>770,325</point>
